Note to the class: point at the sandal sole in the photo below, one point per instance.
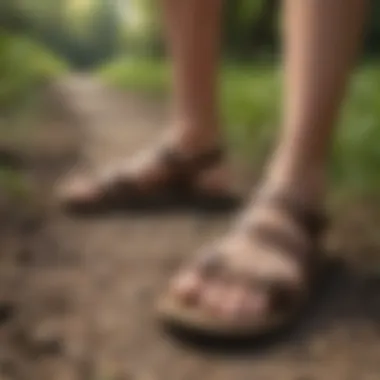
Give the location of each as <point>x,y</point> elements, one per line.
<point>190,323</point>
<point>156,204</point>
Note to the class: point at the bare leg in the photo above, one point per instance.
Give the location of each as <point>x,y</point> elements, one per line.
<point>321,39</point>
<point>193,34</point>
<point>193,31</point>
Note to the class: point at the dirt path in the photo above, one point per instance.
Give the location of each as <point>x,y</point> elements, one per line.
<point>83,290</point>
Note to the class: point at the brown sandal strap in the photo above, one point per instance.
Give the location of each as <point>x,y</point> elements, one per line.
<point>283,296</point>
<point>192,165</point>
<point>313,222</point>
<point>310,222</point>
<point>276,237</point>
<point>183,170</point>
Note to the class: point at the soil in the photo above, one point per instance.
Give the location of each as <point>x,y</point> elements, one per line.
<point>77,294</point>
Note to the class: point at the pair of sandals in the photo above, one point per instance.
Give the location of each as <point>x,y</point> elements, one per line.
<point>280,275</point>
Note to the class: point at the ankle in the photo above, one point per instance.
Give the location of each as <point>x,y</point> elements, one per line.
<point>303,180</point>
<point>193,139</point>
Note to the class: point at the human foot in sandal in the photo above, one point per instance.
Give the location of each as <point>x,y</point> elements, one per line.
<point>162,177</point>
<point>254,280</point>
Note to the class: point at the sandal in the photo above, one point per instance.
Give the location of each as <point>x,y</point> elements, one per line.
<point>115,190</point>
<point>285,295</point>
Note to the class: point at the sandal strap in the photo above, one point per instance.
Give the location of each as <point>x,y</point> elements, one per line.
<point>190,166</point>
<point>183,169</point>
<point>276,237</point>
<point>312,221</point>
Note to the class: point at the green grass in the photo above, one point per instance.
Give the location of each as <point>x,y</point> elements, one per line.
<point>24,66</point>
<point>250,103</point>
<point>13,184</point>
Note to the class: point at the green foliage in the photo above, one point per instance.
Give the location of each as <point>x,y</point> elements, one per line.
<point>141,26</point>
<point>356,152</point>
<point>13,185</point>
<point>137,74</point>
<point>373,39</point>
<point>89,32</point>
<point>11,17</point>
<point>83,35</point>
<point>24,65</point>
<point>250,25</point>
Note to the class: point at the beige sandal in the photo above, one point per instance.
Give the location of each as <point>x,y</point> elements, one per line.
<point>287,299</point>
<point>178,189</point>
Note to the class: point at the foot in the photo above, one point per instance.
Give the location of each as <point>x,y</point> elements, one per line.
<point>261,270</point>
<point>148,173</point>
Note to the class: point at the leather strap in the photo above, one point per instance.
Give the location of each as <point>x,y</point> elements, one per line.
<point>194,164</point>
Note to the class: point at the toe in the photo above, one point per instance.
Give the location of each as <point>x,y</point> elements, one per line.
<point>231,303</point>
<point>213,294</point>
<point>186,287</point>
<point>78,189</point>
<point>255,305</point>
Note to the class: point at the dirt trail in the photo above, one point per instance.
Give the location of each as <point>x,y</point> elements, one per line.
<point>85,287</point>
